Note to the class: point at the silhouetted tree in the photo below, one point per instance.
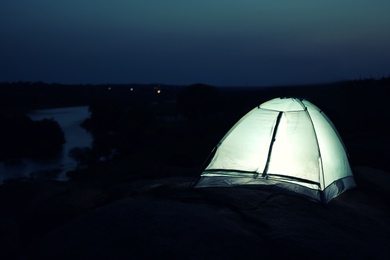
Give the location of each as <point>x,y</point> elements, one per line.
<point>82,156</point>
<point>105,115</point>
<point>22,137</point>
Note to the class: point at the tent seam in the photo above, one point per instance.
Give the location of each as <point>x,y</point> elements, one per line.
<point>319,149</point>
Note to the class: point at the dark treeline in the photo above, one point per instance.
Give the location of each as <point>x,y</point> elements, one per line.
<point>25,96</point>
<point>165,128</point>
<point>21,137</point>
<point>154,129</point>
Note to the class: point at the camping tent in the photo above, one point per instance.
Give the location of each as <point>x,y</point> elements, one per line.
<point>288,143</point>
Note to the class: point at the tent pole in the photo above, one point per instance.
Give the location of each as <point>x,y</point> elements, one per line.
<point>322,185</point>
<point>271,144</point>
<point>208,159</point>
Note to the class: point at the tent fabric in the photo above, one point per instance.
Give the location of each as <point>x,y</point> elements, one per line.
<point>285,142</point>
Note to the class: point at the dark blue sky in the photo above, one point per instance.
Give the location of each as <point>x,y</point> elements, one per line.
<point>219,42</point>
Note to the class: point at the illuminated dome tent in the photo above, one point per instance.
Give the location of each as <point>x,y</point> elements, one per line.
<point>286,142</point>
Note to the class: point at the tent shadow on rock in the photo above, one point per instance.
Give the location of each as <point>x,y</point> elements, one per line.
<point>287,143</point>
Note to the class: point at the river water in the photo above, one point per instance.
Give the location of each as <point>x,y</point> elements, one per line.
<point>69,118</point>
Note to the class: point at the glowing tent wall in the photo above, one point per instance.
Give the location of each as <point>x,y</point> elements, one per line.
<point>285,142</point>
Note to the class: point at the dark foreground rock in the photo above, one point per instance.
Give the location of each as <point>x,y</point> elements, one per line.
<point>168,219</point>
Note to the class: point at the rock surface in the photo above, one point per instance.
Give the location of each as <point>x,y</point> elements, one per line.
<point>168,219</point>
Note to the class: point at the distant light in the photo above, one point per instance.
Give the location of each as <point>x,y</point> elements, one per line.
<point>158,91</point>
<point>109,88</point>
<point>131,89</point>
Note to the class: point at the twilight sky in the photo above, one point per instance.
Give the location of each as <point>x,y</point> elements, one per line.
<point>218,42</point>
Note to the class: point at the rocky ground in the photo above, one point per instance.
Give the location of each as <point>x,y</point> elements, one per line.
<point>167,218</point>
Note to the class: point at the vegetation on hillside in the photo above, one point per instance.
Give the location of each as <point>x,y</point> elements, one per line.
<point>141,130</point>
<point>21,137</point>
